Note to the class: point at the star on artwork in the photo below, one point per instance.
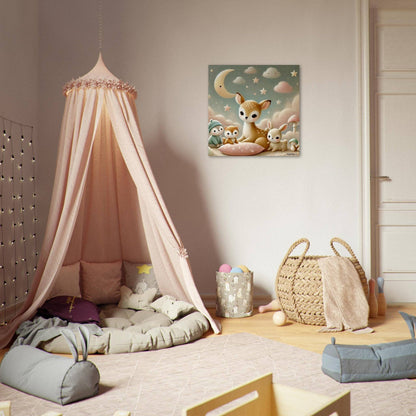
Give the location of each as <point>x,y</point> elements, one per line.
<point>144,268</point>
<point>227,108</point>
<point>263,91</point>
<point>294,73</point>
<point>255,80</point>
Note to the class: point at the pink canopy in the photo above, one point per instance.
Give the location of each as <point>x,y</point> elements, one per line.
<point>106,205</point>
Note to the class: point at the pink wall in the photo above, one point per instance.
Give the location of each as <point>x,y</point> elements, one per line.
<point>242,210</point>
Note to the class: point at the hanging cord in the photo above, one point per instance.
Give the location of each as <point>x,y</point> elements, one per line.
<point>21,167</point>
<point>13,214</point>
<point>100,25</point>
<point>2,210</point>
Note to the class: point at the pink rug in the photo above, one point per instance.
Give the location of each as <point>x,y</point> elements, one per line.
<point>164,382</point>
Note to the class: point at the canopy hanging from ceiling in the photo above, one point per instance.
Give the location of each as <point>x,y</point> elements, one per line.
<point>106,205</point>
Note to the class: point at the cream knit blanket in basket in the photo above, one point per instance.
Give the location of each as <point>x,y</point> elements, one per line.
<point>345,304</point>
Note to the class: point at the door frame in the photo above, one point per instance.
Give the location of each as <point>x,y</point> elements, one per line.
<point>364,126</point>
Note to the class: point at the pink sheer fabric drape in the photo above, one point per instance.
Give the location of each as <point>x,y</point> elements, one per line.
<point>105,204</point>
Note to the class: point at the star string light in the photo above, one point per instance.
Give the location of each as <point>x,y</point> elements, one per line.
<point>18,242</point>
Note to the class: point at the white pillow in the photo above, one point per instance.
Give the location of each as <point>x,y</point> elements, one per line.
<point>67,282</point>
<point>130,300</point>
<point>171,307</point>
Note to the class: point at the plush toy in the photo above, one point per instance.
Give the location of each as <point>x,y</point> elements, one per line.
<point>52,377</point>
<point>171,307</point>
<point>387,361</point>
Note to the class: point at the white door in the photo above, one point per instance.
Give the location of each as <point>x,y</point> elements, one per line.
<point>394,149</point>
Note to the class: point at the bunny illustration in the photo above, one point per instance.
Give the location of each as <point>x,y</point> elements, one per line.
<point>274,136</point>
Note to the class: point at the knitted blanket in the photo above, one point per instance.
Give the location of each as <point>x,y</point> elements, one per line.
<point>345,304</point>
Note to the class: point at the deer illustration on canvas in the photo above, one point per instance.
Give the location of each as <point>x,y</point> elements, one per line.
<point>249,112</point>
<point>256,109</point>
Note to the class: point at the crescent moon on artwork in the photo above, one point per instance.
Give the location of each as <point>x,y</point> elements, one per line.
<point>220,86</point>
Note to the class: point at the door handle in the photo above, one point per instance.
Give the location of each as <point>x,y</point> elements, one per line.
<point>382,178</point>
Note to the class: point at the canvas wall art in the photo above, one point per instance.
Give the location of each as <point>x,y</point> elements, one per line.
<point>253,110</point>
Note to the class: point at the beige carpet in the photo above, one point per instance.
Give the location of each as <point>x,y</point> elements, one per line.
<point>164,382</point>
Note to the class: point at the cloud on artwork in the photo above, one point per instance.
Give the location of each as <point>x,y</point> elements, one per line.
<point>283,87</point>
<point>239,80</point>
<point>282,117</point>
<point>250,70</point>
<point>271,72</point>
<point>219,117</point>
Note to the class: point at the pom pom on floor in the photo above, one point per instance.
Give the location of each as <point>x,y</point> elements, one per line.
<point>279,318</point>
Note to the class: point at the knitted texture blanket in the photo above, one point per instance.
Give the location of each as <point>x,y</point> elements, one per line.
<point>345,304</point>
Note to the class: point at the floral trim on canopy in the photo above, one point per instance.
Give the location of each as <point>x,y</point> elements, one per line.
<point>98,83</point>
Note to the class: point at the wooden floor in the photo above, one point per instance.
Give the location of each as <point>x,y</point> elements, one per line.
<point>388,328</point>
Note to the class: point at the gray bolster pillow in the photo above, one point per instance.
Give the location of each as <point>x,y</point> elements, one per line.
<point>52,377</point>
<point>387,361</point>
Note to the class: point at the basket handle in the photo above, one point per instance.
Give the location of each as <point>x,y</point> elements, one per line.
<point>294,245</point>
<point>343,243</point>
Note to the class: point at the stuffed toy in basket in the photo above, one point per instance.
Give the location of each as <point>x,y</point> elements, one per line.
<point>299,288</point>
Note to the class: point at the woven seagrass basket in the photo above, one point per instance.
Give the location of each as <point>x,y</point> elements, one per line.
<point>299,283</point>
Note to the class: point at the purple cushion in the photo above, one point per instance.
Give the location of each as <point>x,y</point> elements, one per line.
<point>70,308</point>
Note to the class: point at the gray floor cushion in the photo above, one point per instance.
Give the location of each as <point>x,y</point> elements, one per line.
<point>127,330</point>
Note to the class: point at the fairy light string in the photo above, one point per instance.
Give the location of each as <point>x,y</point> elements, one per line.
<point>18,242</point>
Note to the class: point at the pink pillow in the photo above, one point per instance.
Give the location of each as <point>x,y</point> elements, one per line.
<point>100,282</point>
<point>241,149</point>
<point>67,282</point>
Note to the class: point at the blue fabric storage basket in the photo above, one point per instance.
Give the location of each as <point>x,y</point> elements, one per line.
<point>387,361</point>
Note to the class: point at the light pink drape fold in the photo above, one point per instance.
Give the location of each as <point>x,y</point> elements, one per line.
<point>106,205</point>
